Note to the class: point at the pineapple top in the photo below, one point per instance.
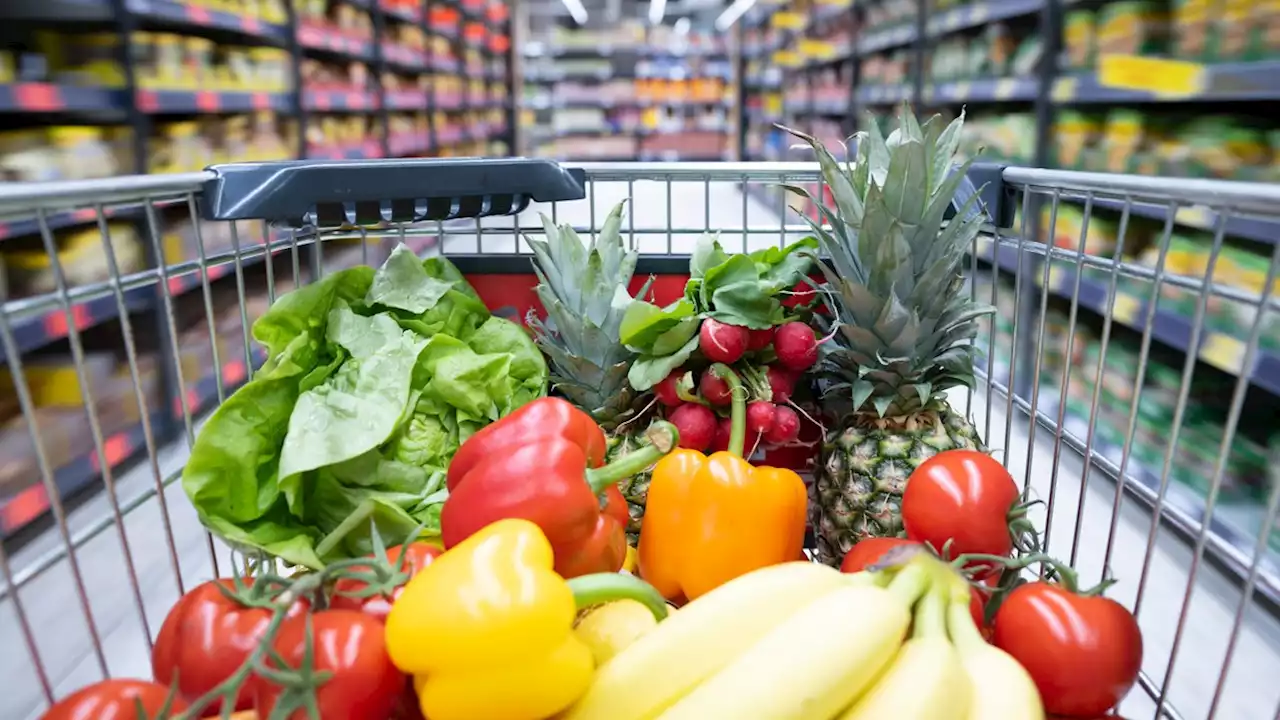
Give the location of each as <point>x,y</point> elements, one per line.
<point>583,288</point>
<point>905,324</point>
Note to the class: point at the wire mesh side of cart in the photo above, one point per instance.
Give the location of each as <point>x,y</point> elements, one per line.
<point>89,576</point>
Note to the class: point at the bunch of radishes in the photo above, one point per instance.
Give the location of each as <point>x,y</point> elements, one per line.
<point>769,362</point>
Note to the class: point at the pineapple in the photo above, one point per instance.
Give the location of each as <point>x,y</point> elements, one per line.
<point>905,324</point>
<point>584,291</point>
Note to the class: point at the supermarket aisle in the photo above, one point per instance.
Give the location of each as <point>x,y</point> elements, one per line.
<point>52,603</point>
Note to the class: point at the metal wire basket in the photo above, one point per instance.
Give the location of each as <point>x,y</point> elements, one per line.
<point>126,357</point>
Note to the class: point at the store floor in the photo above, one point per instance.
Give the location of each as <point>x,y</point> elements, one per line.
<point>54,606</point>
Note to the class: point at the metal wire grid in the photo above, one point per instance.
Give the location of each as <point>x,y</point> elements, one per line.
<point>670,205</point>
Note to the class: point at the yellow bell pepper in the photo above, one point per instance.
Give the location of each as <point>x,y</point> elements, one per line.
<point>487,628</point>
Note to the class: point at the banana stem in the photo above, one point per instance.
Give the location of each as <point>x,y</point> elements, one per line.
<point>910,583</point>
<point>931,615</point>
<point>737,408</point>
<point>964,633</point>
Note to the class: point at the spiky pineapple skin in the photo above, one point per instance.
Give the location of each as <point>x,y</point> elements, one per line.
<point>862,473</point>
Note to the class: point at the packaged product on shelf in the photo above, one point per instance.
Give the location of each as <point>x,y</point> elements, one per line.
<point>63,436</point>
<point>1074,133</point>
<point>1026,58</point>
<point>1123,141</point>
<point>81,255</point>
<point>1132,27</point>
<point>1080,38</point>
<point>1100,240</point>
<point>997,49</point>
<point>1222,147</point>
<point>79,58</point>
<point>1195,29</point>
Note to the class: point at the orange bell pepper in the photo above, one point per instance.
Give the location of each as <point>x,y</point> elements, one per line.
<point>711,519</point>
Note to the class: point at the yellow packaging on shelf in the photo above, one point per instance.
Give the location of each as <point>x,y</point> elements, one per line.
<point>788,21</point>
<point>53,382</point>
<point>81,256</point>
<point>1165,78</point>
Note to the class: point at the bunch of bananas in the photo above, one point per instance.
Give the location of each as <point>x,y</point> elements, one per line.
<point>801,641</point>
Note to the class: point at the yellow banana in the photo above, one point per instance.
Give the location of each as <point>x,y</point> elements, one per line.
<point>1001,688</point>
<point>810,666</point>
<point>695,643</point>
<point>926,680</point>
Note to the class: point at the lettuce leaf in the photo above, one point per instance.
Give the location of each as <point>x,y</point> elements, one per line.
<point>373,380</point>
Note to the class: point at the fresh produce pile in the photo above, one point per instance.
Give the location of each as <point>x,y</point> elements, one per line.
<point>457,542</point>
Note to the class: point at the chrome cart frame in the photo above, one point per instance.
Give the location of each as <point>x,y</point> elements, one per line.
<point>99,544</point>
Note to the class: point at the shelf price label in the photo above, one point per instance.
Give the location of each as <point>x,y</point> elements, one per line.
<point>1162,77</point>
<point>1125,309</point>
<point>817,49</point>
<point>207,101</point>
<point>1223,352</point>
<point>38,97</point>
<point>1006,88</point>
<point>788,58</point>
<point>788,21</point>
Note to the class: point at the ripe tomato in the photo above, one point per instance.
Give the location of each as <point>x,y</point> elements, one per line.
<point>420,555</point>
<point>869,552</point>
<point>205,638</point>
<point>115,700</point>
<point>364,685</point>
<point>1084,653</point>
<point>961,496</point>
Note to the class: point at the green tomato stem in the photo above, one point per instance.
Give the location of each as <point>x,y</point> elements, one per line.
<point>737,408</point>
<point>599,588</point>
<point>662,436</point>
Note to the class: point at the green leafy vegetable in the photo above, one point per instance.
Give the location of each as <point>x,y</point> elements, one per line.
<point>373,380</point>
<point>644,323</point>
<point>744,289</point>
<point>649,370</point>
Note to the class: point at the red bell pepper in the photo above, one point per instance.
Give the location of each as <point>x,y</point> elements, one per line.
<point>541,463</point>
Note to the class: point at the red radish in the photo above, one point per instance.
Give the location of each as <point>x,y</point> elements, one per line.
<point>781,382</point>
<point>696,423</point>
<point>800,295</point>
<point>714,390</point>
<point>721,443</point>
<point>759,418</point>
<point>722,342</point>
<point>666,389</point>
<point>796,346</point>
<point>785,428</point>
<point>759,339</point>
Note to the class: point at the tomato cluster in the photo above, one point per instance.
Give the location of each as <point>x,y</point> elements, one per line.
<point>336,654</point>
<point>1082,650</point>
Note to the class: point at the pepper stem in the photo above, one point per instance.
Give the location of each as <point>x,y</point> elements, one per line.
<point>599,588</point>
<point>737,408</point>
<point>662,437</point>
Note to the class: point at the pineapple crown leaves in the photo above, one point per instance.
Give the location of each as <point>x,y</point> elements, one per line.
<point>583,288</point>
<point>893,264</point>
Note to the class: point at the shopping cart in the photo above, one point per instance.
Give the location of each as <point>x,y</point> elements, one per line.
<point>100,544</point>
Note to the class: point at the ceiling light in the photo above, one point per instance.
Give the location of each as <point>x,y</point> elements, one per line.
<point>576,9</point>
<point>657,8</point>
<point>682,26</point>
<point>732,13</point>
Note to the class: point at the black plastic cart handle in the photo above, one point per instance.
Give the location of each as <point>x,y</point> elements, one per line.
<point>364,192</point>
